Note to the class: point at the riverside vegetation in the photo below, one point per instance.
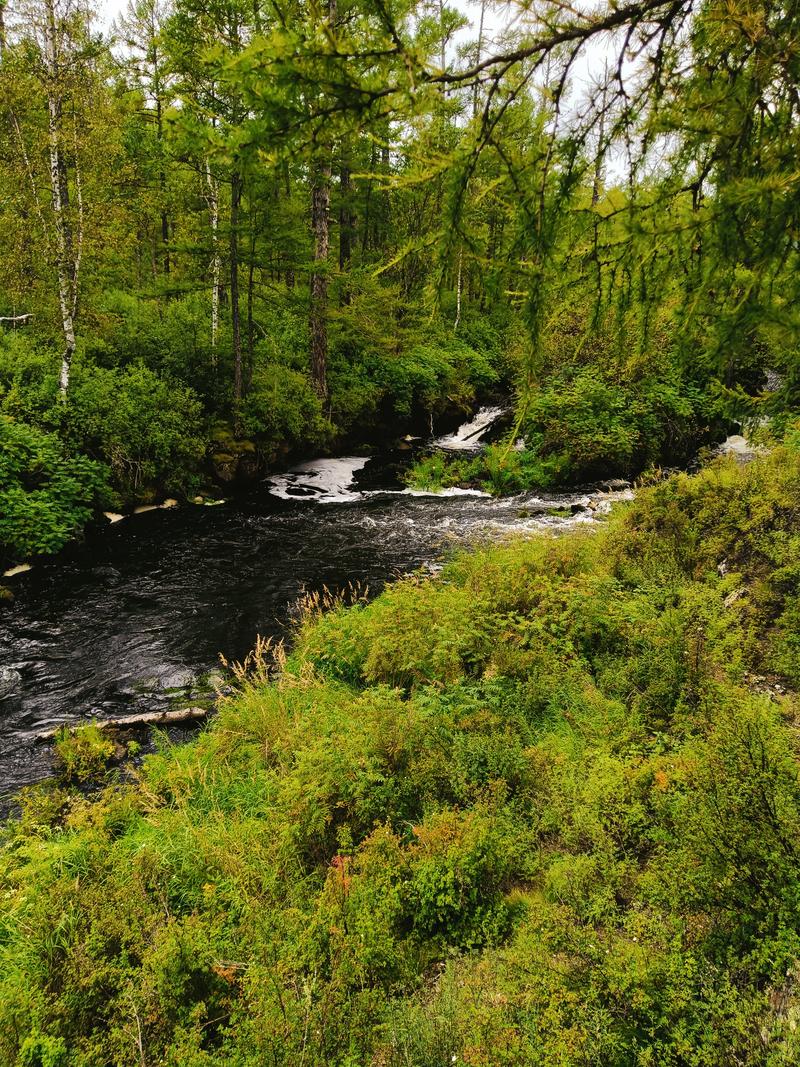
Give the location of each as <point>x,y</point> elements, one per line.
<point>540,809</point>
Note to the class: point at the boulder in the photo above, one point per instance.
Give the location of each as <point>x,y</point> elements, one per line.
<point>225,465</point>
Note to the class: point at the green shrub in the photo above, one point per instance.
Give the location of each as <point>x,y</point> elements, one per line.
<point>531,811</point>
<point>83,753</point>
<point>282,408</point>
<point>146,428</point>
<point>46,494</point>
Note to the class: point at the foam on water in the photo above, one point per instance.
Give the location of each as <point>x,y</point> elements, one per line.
<point>328,481</point>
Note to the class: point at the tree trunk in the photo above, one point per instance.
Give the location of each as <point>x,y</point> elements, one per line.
<point>459,287</point>
<point>65,260</point>
<point>598,162</point>
<point>162,187</point>
<point>478,51</point>
<point>216,259</point>
<point>320,225</point>
<point>251,270</point>
<point>346,217</point>
<point>346,222</point>
<point>236,195</point>
<point>148,718</point>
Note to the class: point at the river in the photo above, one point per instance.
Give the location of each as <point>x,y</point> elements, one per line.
<point>131,619</point>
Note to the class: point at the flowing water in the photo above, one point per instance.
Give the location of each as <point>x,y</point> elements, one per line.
<point>130,620</point>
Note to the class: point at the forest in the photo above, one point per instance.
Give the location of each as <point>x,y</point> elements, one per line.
<point>236,233</point>
<point>498,762</point>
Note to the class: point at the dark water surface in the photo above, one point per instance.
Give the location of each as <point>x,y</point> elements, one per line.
<point>128,621</point>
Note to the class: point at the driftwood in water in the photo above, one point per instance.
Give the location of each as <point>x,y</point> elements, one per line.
<point>150,718</point>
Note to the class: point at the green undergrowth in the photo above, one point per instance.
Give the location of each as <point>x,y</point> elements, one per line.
<point>540,810</point>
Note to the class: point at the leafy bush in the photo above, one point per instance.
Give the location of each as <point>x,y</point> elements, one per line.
<point>172,338</point>
<point>282,408</point>
<point>590,426</point>
<point>46,494</point>
<point>147,429</point>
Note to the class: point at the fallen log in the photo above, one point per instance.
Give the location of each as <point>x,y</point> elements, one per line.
<point>16,320</point>
<point>149,718</point>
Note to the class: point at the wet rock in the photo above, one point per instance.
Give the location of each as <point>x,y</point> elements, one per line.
<point>248,464</point>
<point>177,679</point>
<point>145,507</point>
<point>113,516</point>
<point>225,465</point>
<point>614,485</point>
<point>6,595</point>
<point>170,502</point>
<point>578,506</point>
<point>111,573</point>
<point>10,682</point>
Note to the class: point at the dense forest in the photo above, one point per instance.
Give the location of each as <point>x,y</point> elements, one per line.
<point>235,232</point>
<point>537,802</point>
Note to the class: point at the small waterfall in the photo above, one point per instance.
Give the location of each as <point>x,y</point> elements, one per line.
<point>467,438</point>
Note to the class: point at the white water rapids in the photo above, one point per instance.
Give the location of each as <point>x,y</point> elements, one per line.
<point>468,436</point>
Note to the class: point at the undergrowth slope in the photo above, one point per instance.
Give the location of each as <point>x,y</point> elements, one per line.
<point>541,810</point>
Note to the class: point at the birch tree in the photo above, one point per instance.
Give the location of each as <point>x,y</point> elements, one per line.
<point>52,40</point>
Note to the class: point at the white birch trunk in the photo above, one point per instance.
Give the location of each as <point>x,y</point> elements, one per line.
<point>216,259</point>
<point>459,286</point>
<point>66,265</point>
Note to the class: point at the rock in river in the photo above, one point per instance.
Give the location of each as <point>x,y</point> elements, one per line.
<point>10,682</point>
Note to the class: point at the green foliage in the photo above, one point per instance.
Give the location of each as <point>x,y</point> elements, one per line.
<point>83,753</point>
<point>171,338</point>
<point>282,409</point>
<point>585,425</point>
<point>46,494</point>
<point>145,427</point>
<point>531,811</point>
<point>148,429</point>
